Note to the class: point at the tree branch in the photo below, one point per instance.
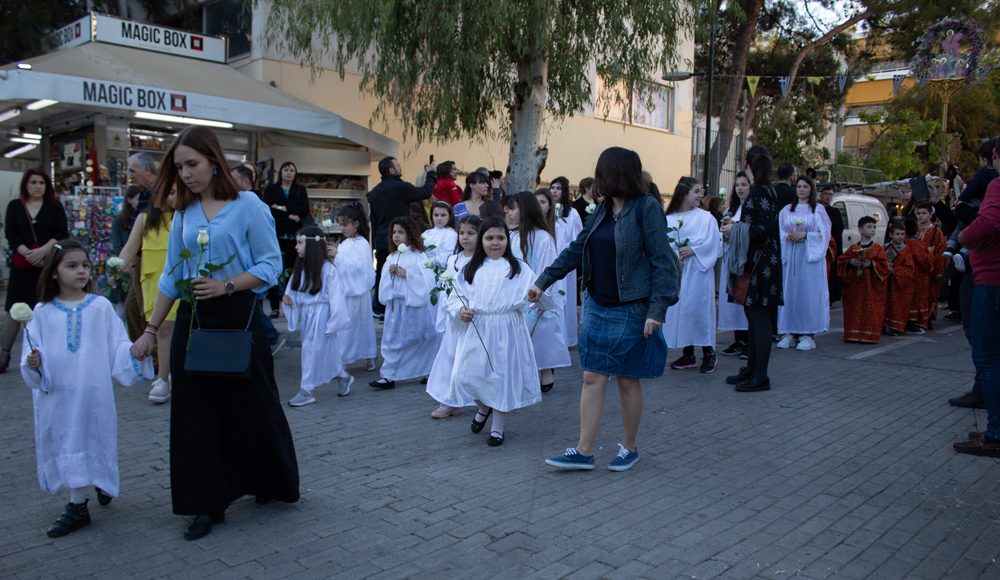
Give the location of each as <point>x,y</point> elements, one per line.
<point>809,48</point>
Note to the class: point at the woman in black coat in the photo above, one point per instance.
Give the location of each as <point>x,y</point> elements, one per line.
<point>33,223</point>
<point>289,203</point>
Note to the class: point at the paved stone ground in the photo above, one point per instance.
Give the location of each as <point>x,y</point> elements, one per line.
<point>845,469</point>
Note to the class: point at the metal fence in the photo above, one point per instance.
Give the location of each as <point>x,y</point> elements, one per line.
<point>725,167</point>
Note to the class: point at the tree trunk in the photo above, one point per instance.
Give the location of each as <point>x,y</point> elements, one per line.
<point>734,88</point>
<point>526,116</point>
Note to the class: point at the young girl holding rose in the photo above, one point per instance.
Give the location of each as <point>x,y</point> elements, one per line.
<point>353,258</point>
<point>74,345</point>
<point>440,240</point>
<point>440,377</point>
<point>409,338</point>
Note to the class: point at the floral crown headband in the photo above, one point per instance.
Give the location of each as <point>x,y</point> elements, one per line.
<point>313,238</point>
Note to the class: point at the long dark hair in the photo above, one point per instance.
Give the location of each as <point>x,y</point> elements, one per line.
<point>734,200</point>
<point>50,192</point>
<point>563,200</point>
<point>812,192</point>
<point>352,211</point>
<point>204,141</point>
<point>479,256</point>
<point>412,230</point>
<point>759,160</point>
<point>155,219</point>
<point>282,168</point>
<point>619,174</point>
<point>48,286</point>
<point>531,219</point>
<point>472,178</point>
<point>451,214</point>
<point>684,186</point>
<point>126,215</point>
<point>490,208</point>
<point>419,216</point>
<point>550,215</point>
<point>308,272</point>
<point>474,222</point>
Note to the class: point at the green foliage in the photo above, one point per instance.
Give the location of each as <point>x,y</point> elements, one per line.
<point>447,69</point>
<point>899,136</point>
<point>791,132</point>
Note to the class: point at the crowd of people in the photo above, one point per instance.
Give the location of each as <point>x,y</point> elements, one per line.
<point>477,290</point>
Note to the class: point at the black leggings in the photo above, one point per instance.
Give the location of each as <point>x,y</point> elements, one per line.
<point>760,331</point>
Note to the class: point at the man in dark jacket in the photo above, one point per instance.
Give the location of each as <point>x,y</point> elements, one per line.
<point>388,200</point>
<point>784,186</point>
<point>837,232</point>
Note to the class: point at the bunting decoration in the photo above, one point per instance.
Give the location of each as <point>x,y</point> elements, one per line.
<point>785,82</point>
<point>814,80</point>
<point>842,82</point>
<point>897,81</point>
<point>752,83</point>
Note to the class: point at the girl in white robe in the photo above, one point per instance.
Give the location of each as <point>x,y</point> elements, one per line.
<point>494,367</point>
<point>532,242</point>
<point>731,315</point>
<point>74,345</point>
<point>438,383</point>
<point>314,305</point>
<point>805,239</point>
<point>696,240</point>
<point>357,278</point>
<point>441,240</point>
<point>409,337</point>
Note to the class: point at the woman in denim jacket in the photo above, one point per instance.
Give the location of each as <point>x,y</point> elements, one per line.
<point>631,276</point>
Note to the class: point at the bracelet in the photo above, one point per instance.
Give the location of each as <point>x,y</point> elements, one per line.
<point>148,331</point>
<point>153,326</point>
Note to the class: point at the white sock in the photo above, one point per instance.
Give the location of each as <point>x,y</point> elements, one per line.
<point>498,420</point>
<point>78,495</point>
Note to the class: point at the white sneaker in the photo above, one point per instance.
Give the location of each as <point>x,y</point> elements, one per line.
<point>959,262</point>
<point>787,341</point>
<point>160,393</point>
<point>806,343</point>
<point>345,385</point>
<point>302,399</point>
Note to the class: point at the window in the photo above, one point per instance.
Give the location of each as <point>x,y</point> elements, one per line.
<point>231,19</point>
<point>634,110</point>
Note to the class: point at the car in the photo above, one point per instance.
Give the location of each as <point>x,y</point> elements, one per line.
<point>854,206</point>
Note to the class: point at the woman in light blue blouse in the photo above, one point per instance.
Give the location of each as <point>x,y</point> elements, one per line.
<point>228,437</point>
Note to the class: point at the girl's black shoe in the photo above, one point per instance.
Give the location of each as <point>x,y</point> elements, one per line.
<point>548,387</point>
<point>495,440</point>
<point>102,498</point>
<point>74,517</point>
<point>477,426</point>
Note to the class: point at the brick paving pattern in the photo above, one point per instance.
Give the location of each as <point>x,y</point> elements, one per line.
<point>844,470</point>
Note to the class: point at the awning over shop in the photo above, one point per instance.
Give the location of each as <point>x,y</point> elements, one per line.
<point>105,76</point>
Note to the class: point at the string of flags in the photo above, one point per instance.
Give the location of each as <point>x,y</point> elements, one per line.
<point>753,81</point>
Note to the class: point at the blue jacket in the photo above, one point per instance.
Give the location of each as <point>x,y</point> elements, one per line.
<point>646,266</point>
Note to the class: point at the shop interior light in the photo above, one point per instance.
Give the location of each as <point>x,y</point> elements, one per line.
<point>35,136</point>
<point>25,140</point>
<point>23,66</point>
<point>183,120</point>
<point>41,104</point>
<point>9,114</point>
<point>19,150</point>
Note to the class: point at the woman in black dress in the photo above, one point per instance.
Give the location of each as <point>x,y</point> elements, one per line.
<point>33,224</point>
<point>289,203</point>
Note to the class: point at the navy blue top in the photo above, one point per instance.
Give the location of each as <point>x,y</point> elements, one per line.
<point>604,281</point>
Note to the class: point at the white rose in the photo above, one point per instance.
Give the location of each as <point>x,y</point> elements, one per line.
<point>591,207</point>
<point>402,248</point>
<point>327,223</point>
<point>428,263</point>
<point>447,275</point>
<point>21,312</point>
<point>203,237</point>
<point>115,262</point>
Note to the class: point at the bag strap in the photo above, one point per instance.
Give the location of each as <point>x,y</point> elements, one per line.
<point>31,222</point>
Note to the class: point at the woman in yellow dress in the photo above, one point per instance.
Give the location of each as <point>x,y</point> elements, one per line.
<point>149,236</point>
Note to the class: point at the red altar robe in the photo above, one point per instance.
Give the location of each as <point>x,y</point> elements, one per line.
<point>932,237</point>
<point>902,272</point>
<point>919,311</point>
<point>864,293</point>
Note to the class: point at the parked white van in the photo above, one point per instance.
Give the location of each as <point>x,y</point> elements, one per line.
<point>854,206</point>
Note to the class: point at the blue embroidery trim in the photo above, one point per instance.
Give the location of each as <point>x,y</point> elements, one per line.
<point>73,338</point>
<point>137,370</point>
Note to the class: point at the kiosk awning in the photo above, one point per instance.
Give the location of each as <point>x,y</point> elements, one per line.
<point>104,76</point>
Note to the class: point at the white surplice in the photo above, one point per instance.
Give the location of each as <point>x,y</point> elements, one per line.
<point>76,426</point>
<point>357,278</point>
<point>444,241</point>
<point>409,337</point>
<point>548,333</point>
<point>731,315</point>
<point>439,381</point>
<point>319,317</point>
<point>806,294</point>
<point>504,374</point>
<point>691,321</point>
<point>567,230</point>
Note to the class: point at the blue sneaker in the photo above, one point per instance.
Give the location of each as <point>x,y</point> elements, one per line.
<point>625,460</point>
<point>571,459</point>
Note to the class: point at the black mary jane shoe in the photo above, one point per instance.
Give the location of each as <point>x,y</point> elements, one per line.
<point>495,441</point>
<point>382,384</point>
<point>202,526</point>
<point>548,387</point>
<point>477,426</point>
<point>74,517</point>
<point>102,498</point>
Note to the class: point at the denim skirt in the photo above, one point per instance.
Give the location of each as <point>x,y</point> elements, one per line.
<point>611,341</point>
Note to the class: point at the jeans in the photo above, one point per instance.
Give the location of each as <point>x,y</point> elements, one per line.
<point>986,351</point>
<point>965,299</point>
<point>272,333</point>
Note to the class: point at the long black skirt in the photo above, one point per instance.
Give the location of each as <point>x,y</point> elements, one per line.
<point>22,286</point>
<point>228,437</point>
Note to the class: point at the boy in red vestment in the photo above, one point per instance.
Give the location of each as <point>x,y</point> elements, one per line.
<point>864,272</point>
<point>933,239</point>
<point>918,310</point>
<point>902,271</point>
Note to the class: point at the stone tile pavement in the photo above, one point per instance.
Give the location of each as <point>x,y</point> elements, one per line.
<point>845,469</point>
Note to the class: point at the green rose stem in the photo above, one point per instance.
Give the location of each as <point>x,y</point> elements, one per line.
<point>27,336</point>
<point>466,304</point>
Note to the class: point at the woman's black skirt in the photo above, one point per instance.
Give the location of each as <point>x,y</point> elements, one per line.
<point>22,286</point>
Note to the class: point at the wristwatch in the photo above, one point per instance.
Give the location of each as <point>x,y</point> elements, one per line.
<point>230,287</point>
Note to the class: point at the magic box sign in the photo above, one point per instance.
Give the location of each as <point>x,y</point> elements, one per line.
<point>159,38</point>
<point>122,96</point>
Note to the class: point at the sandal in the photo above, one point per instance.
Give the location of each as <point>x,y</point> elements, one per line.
<point>477,426</point>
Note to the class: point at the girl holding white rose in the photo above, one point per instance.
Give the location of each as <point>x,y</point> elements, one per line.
<point>353,258</point>
<point>228,434</point>
<point>409,337</point>
<point>74,345</point>
<point>442,239</point>
<point>805,239</point>
<point>696,240</point>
